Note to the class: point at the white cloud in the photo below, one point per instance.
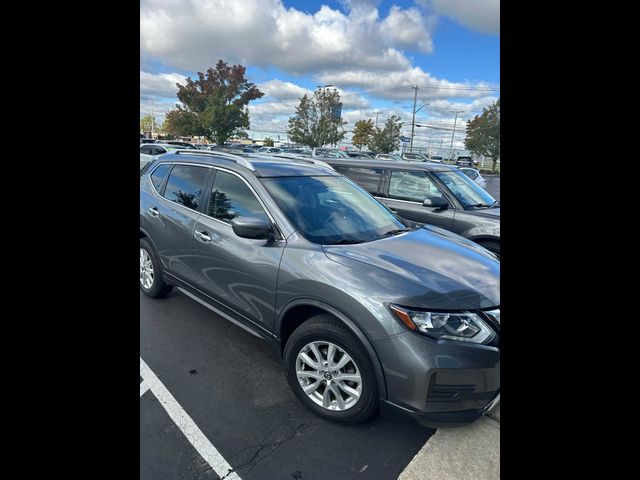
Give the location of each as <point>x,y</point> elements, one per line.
<point>407,28</point>
<point>480,15</point>
<point>160,84</point>
<point>193,35</point>
<point>397,85</point>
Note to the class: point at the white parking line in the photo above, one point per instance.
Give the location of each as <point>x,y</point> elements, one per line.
<point>143,388</point>
<point>186,425</point>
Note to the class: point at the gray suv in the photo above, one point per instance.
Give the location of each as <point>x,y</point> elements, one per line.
<point>369,311</point>
<point>435,194</point>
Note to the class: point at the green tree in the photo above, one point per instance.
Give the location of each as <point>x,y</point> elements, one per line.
<point>387,139</point>
<point>213,105</point>
<point>268,142</point>
<point>362,133</point>
<point>318,119</point>
<point>146,122</point>
<point>483,134</point>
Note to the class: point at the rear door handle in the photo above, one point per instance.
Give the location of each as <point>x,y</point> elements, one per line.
<point>202,236</point>
<point>154,211</point>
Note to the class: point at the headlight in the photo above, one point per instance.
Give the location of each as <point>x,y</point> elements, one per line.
<point>465,327</point>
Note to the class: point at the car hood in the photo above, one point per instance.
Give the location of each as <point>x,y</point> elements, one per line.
<point>437,269</point>
<point>486,212</point>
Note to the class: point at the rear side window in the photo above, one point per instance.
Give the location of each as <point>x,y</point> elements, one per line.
<point>367,178</point>
<point>232,198</point>
<point>412,186</point>
<point>185,185</point>
<point>158,175</point>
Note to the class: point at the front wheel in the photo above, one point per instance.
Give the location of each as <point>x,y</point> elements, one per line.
<point>329,371</point>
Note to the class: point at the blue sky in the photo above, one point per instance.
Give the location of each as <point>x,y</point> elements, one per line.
<point>373,51</point>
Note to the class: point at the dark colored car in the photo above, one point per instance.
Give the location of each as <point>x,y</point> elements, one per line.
<point>367,310</point>
<point>430,193</point>
<point>360,155</point>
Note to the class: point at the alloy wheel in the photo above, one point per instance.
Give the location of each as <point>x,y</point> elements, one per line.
<point>329,376</point>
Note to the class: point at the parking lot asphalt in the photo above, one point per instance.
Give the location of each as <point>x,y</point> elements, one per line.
<point>232,386</point>
<point>493,185</point>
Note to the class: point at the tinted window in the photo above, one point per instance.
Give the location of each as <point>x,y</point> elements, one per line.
<point>367,178</point>
<point>232,198</point>
<point>412,186</point>
<point>146,149</point>
<point>185,185</point>
<point>158,175</point>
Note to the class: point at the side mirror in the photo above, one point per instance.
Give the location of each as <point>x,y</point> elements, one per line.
<point>252,227</point>
<point>436,202</point>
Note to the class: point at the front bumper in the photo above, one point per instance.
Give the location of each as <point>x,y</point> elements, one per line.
<point>438,383</point>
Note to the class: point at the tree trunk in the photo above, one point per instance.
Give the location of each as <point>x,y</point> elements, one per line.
<point>495,163</point>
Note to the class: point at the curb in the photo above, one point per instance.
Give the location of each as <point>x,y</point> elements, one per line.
<point>471,452</point>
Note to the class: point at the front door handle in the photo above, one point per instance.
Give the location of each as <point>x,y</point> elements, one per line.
<point>154,211</point>
<point>202,236</point>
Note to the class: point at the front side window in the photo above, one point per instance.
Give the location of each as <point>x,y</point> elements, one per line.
<point>146,149</point>
<point>332,210</point>
<point>232,198</point>
<point>185,185</point>
<point>412,186</point>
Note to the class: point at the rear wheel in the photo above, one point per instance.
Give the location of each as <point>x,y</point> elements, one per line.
<point>330,372</point>
<point>151,281</point>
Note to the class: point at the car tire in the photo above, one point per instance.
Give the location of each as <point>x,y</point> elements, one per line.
<point>152,284</point>
<point>326,329</point>
<point>492,246</point>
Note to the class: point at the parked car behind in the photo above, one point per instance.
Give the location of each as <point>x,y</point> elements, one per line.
<point>466,162</point>
<point>362,155</point>
<point>367,310</point>
<point>414,157</point>
<point>329,153</point>
<point>388,156</point>
<point>148,151</point>
<point>436,159</point>
<point>433,194</point>
<point>474,175</point>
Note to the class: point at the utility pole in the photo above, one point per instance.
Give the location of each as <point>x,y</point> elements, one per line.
<point>413,121</point>
<point>454,131</point>
<point>153,120</point>
<point>377,113</point>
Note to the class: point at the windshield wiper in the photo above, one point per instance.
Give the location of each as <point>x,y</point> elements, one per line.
<point>482,205</point>
<point>346,241</point>
<point>396,231</point>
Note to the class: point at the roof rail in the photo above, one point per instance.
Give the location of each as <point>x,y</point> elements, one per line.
<point>302,158</point>
<point>226,156</point>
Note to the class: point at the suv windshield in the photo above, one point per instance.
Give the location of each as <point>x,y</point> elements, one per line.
<point>332,210</point>
<point>466,190</point>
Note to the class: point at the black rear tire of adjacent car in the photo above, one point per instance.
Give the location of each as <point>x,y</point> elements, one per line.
<point>158,288</point>
<point>325,327</point>
<point>492,246</point>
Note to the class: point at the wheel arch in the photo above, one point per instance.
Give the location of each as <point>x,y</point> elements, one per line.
<point>296,312</point>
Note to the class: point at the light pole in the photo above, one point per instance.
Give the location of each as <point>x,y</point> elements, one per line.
<point>454,131</point>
